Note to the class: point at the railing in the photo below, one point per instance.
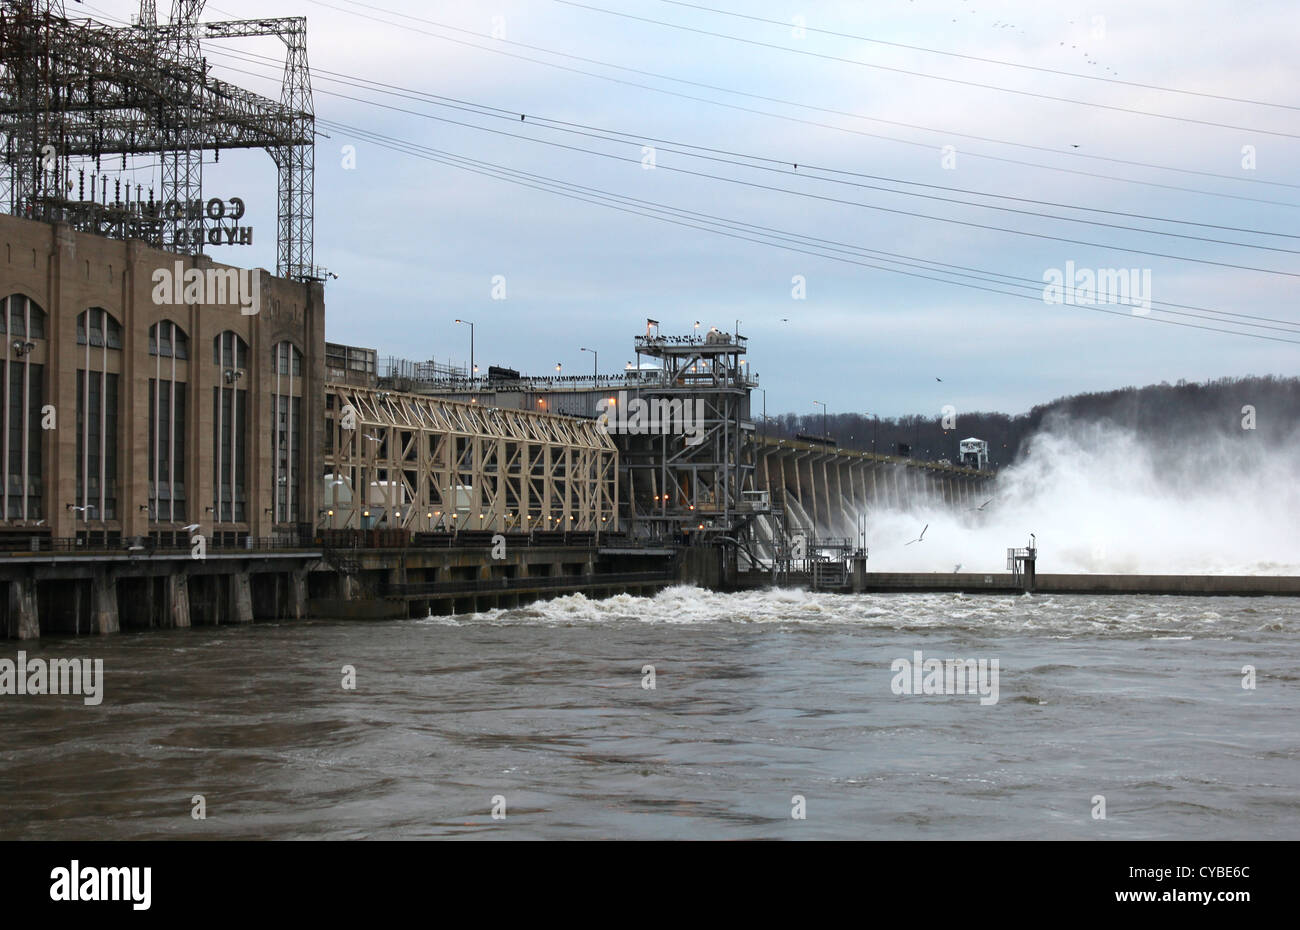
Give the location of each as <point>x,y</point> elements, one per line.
<point>348,540</point>
<point>719,340</point>
<point>333,541</point>
<point>491,585</point>
<point>145,546</point>
<point>465,385</point>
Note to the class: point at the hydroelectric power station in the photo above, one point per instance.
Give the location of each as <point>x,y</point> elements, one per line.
<point>182,445</point>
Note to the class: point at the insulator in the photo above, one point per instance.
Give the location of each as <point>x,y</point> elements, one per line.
<point>117,190</point>
<point>81,183</point>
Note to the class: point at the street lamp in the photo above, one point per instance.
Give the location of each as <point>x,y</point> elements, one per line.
<point>823,406</point>
<point>595,359</point>
<point>472,367</point>
<point>557,368</point>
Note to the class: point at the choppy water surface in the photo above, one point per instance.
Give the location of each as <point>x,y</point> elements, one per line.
<point>759,697</point>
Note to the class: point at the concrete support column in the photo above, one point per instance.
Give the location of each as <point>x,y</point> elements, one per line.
<point>176,613</point>
<point>24,620</point>
<point>103,603</point>
<point>295,606</point>
<point>241,598</point>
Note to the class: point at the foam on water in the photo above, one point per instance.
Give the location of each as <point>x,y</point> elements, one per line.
<point>1060,615</point>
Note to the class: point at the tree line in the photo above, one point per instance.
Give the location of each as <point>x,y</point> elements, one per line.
<point>1264,409</point>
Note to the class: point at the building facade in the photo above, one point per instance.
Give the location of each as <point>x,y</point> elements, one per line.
<point>145,392</point>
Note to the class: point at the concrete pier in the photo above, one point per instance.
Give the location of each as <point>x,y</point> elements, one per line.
<point>178,601</point>
<point>103,603</point>
<point>23,620</point>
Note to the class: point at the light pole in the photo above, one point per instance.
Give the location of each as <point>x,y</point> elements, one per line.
<point>763,391</point>
<point>875,431</point>
<point>473,369</point>
<point>595,361</point>
<point>823,406</point>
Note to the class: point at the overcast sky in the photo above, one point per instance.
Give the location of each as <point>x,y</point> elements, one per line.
<point>416,243</point>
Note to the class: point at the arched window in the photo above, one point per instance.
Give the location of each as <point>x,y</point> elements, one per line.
<point>97,403</point>
<point>229,351</point>
<point>230,430</point>
<point>168,340</point>
<point>97,326</point>
<point>167,422</point>
<point>20,316</point>
<point>286,431</point>
<point>22,382</point>
<point>286,359</point>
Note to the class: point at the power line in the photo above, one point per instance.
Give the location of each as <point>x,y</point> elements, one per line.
<point>638,207</point>
<point>781,235</point>
<point>855,203</point>
<point>933,77</point>
<point>991,61</point>
<point>603,134</point>
<point>812,107</point>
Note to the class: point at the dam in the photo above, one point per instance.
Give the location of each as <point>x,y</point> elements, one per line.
<point>173,458</point>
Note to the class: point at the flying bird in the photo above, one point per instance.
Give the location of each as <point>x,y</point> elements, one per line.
<point>940,380</point>
<point>956,568</point>
<point>922,536</point>
<point>982,506</point>
<point>191,528</point>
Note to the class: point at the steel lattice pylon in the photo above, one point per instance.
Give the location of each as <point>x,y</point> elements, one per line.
<point>73,91</point>
<point>182,162</point>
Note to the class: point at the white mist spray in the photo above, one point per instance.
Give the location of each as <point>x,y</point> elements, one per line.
<point>1099,499</point>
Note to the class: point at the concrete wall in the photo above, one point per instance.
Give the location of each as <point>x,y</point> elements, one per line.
<point>66,273</point>
<point>832,486</point>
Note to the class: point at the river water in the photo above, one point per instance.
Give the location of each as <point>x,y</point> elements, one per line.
<point>758,698</point>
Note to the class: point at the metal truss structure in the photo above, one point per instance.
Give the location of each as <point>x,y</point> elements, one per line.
<point>692,482</point>
<point>74,92</point>
<point>426,464</point>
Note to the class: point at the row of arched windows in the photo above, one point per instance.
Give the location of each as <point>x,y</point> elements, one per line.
<point>98,392</point>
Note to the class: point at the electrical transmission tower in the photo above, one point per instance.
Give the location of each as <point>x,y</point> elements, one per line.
<point>79,99</point>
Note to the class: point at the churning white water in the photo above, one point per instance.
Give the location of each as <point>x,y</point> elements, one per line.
<point>1100,499</point>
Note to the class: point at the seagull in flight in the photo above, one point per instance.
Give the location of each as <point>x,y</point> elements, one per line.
<point>373,438</point>
<point>191,528</point>
<point>921,537</point>
<point>982,506</point>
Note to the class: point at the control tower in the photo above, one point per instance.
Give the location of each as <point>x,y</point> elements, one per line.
<point>688,456</point>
